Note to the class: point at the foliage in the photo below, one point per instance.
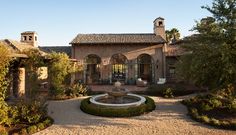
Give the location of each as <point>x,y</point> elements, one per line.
<point>4,117</point>
<point>4,67</point>
<point>32,129</point>
<point>59,67</point>
<point>208,109</point>
<point>31,112</point>
<point>87,107</point>
<point>212,58</point>
<point>177,89</point>
<point>76,90</point>
<point>34,61</point>
<point>168,93</point>
<point>3,130</point>
<point>172,35</point>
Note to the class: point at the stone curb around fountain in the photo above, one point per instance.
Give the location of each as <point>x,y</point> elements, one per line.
<point>94,99</point>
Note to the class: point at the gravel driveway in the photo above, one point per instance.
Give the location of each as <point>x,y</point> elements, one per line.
<point>169,118</point>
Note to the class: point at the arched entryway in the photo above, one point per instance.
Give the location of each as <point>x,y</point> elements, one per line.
<point>92,72</point>
<point>119,67</point>
<point>145,67</point>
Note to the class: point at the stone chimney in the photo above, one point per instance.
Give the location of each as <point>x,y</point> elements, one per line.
<point>159,27</point>
<point>30,37</point>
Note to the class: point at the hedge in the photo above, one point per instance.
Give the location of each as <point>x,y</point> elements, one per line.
<point>92,109</point>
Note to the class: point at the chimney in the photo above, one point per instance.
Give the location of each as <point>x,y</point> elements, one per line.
<point>159,27</point>
<point>30,37</point>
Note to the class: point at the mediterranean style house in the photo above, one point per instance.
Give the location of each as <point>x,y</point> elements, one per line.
<point>104,58</point>
<point>123,57</point>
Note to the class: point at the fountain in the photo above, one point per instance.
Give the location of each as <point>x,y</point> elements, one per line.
<point>117,98</point>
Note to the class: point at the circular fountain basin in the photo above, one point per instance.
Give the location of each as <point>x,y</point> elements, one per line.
<point>129,101</point>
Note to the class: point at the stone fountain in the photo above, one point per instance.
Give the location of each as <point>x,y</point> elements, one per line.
<point>118,97</point>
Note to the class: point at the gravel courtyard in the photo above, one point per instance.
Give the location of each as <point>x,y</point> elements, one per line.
<point>168,118</point>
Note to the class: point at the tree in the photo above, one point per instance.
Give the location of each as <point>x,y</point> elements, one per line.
<point>4,68</point>
<point>212,58</point>
<point>172,35</point>
<point>59,67</point>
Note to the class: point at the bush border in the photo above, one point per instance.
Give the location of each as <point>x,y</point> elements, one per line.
<point>195,115</point>
<point>89,108</point>
<point>47,122</point>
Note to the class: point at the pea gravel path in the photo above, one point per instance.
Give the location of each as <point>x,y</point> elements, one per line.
<point>169,118</point>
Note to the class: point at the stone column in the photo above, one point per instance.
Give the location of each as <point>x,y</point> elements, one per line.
<point>72,79</point>
<point>21,82</point>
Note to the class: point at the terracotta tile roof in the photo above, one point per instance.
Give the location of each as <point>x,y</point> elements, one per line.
<point>117,38</point>
<point>49,49</point>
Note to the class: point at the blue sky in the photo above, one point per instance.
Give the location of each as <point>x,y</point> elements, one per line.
<point>58,21</point>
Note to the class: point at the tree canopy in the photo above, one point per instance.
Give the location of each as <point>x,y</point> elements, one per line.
<point>4,66</point>
<point>172,35</point>
<point>212,58</point>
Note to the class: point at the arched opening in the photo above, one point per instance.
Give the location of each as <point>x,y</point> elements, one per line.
<point>145,63</point>
<point>92,68</point>
<point>119,67</point>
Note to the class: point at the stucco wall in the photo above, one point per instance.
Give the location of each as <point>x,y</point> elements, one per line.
<point>131,51</point>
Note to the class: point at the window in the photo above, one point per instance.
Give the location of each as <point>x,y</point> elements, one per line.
<point>30,38</point>
<point>172,71</point>
<point>24,38</point>
<point>35,38</point>
<point>160,23</point>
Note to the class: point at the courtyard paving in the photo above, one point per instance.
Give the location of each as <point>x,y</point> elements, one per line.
<point>169,118</point>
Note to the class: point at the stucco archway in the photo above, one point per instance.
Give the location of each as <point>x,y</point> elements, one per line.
<point>145,67</point>
<point>119,69</point>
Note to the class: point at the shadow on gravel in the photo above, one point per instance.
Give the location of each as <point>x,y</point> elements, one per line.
<point>68,113</point>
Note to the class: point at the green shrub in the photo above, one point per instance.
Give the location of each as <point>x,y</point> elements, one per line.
<point>47,122</point>
<point>31,112</point>
<point>40,126</point>
<point>168,93</point>
<point>205,119</point>
<point>23,131</point>
<point>204,103</point>
<point>205,107</point>
<point>177,89</point>
<point>225,124</point>
<point>4,109</point>
<point>32,129</point>
<point>76,90</point>
<point>56,91</point>
<point>87,107</point>
<point>215,122</point>
<point>215,103</point>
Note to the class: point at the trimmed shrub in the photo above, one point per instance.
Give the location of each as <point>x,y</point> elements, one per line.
<point>89,108</point>
<point>40,126</point>
<point>200,106</point>
<point>31,112</point>
<point>205,119</point>
<point>23,131</point>
<point>166,90</point>
<point>168,93</point>
<point>32,129</point>
<point>215,122</point>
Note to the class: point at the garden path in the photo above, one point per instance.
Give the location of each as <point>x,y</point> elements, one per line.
<point>168,118</point>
